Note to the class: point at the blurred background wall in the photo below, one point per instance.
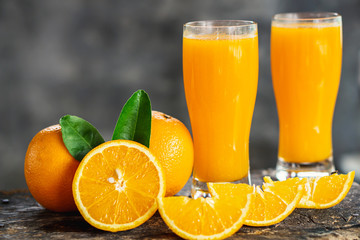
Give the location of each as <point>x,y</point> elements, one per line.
<point>86,57</point>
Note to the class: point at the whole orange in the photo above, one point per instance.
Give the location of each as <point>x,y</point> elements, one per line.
<point>50,169</point>
<point>171,143</point>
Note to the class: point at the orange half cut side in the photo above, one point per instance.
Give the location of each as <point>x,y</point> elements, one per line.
<point>116,185</point>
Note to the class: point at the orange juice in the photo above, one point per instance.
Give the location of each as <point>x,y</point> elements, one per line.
<point>306,67</point>
<point>220,78</point>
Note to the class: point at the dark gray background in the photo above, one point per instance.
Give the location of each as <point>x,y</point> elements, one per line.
<point>86,57</point>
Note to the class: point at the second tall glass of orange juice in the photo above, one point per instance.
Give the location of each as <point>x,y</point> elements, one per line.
<point>220,66</point>
<point>306,53</point>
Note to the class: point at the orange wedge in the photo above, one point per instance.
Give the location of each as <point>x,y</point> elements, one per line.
<point>217,217</point>
<point>116,185</point>
<point>274,203</point>
<point>322,192</point>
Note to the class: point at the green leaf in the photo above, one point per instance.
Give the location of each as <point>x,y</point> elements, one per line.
<point>79,136</point>
<point>134,122</point>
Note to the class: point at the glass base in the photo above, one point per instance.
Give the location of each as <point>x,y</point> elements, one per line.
<point>200,189</point>
<point>285,170</point>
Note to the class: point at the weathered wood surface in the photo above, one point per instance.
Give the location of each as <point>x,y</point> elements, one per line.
<point>22,218</point>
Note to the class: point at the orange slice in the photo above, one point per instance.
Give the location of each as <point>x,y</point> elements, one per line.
<point>322,192</point>
<point>274,203</point>
<point>116,185</point>
<point>217,217</point>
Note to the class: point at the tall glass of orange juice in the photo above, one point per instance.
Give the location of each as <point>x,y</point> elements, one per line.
<point>220,66</point>
<point>306,53</point>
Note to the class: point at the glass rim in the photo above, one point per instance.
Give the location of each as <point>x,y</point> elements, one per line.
<point>306,16</point>
<point>219,23</point>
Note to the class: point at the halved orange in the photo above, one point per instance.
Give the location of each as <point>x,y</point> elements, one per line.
<point>322,192</point>
<point>274,203</point>
<point>217,217</point>
<point>116,185</point>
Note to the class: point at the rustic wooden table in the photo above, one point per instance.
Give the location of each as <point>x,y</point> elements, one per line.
<point>22,218</point>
